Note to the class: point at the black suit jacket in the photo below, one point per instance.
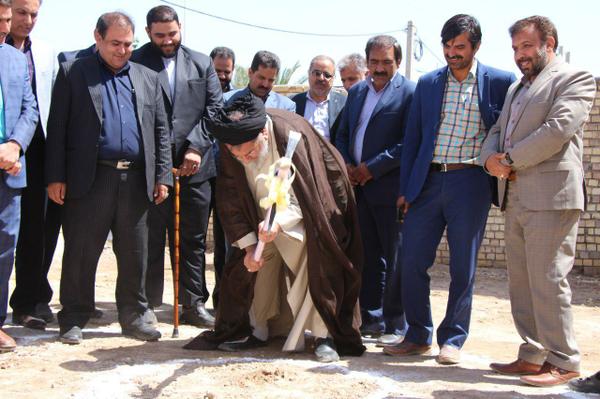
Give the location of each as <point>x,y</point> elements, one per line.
<point>65,56</point>
<point>75,122</point>
<point>336,105</point>
<point>198,97</point>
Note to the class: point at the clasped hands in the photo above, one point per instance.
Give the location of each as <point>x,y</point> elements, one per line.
<point>264,236</point>
<point>498,169</point>
<point>359,175</point>
<point>9,157</point>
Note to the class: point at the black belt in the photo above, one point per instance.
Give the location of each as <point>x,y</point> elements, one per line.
<point>447,167</point>
<point>121,164</point>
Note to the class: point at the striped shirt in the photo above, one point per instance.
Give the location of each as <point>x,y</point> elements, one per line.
<point>461,131</point>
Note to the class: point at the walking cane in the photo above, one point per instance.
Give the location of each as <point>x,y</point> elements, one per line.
<point>176,257</point>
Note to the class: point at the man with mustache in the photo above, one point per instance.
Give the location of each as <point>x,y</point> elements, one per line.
<point>191,93</point>
<point>262,75</point>
<point>320,105</point>
<point>443,187</point>
<point>353,69</point>
<point>224,62</point>
<point>536,151</point>
<point>370,140</point>
<point>308,276</point>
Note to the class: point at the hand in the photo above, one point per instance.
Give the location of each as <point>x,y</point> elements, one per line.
<point>249,262</point>
<point>269,236</point>
<point>351,171</point>
<point>16,168</point>
<point>495,167</point>
<point>57,192</point>
<point>402,204</point>
<point>9,154</point>
<point>191,163</point>
<point>362,174</point>
<point>161,192</point>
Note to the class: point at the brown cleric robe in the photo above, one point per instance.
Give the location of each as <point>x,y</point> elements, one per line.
<point>334,248</point>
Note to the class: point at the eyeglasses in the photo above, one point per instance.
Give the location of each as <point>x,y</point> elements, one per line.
<point>317,73</point>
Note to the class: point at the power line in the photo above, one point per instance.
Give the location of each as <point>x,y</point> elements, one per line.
<point>430,50</point>
<point>277,29</point>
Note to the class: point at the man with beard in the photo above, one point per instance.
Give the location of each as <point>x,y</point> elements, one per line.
<point>308,277</point>
<point>442,186</point>
<point>320,105</point>
<point>191,93</point>
<point>536,149</point>
<point>370,140</point>
<point>262,74</point>
<point>224,62</point>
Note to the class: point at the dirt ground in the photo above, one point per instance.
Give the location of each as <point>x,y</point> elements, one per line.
<point>107,365</point>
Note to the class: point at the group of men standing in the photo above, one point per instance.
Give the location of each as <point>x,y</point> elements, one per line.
<point>378,176</point>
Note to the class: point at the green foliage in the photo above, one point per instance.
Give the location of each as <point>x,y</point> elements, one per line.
<point>240,78</point>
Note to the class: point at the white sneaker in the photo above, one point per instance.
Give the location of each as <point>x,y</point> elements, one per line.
<point>389,340</point>
<point>448,355</point>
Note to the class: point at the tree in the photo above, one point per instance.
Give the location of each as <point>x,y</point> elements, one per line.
<point>240,78</point>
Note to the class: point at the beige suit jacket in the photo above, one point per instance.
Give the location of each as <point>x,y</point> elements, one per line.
<point>547,141</point>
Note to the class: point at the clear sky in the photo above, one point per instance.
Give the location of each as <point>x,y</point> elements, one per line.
<point>69,24</point>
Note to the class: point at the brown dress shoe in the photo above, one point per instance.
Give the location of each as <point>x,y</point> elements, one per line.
<point>7,343</point>
<point>518,367</point>
<point>406,348</point>
<point>550,376</point>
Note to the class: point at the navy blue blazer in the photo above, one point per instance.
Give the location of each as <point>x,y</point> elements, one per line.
<point>383,138</point>
<point>424,120</point>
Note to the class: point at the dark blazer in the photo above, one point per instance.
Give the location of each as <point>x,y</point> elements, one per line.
<point>65,56</point>
<point>198,97</point>
<point>334,110</point>
<point>424,120</point>
<point>75,121</point>
<point>20,111</point>
<point>383,138</point>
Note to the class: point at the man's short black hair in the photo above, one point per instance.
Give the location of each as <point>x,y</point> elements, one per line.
<point>459,24</point>
<point>224,52</point>
<point>109,19</point>
<point>542,25</point>
<point>384,41</point>
<point>161,14</point>
<point>265,59</point>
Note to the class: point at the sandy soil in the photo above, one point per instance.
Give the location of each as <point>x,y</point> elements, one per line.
<point>107,365</point>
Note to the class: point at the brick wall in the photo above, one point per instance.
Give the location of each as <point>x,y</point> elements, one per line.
<point>587,259</point>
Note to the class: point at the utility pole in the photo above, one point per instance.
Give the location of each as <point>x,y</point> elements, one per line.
<point>410,33</point>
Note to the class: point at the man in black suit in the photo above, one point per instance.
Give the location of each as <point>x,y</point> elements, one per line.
<point>64,56</point>
<point>191,93</point>
<point>108,158</point>
<point>320,105</point>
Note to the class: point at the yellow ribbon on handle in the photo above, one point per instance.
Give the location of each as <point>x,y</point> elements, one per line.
<point>278,181</point>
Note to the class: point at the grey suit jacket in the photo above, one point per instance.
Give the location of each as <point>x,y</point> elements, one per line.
<point>76,120</point>
<point>197,98</point>
<point>334,109</point>
<point>20,111</point>
<point>547,141</point>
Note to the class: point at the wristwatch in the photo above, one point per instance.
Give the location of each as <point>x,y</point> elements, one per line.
<point>508,158</point>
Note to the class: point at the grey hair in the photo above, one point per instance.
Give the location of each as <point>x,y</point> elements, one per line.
<point>321,58</point>
<point>8,3</point>
<point>354,60</point>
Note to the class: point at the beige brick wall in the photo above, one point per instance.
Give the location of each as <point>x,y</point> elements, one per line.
<point>587,259</point>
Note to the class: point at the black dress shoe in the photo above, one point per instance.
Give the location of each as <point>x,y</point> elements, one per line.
<point>142,331</point>
<point>29,321</point>
<point>247,343</point>
<point>43,311</point>
<point>325,350</point>
<point>586,385</point>
<point>71,336</point>
<point>197,316</point>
